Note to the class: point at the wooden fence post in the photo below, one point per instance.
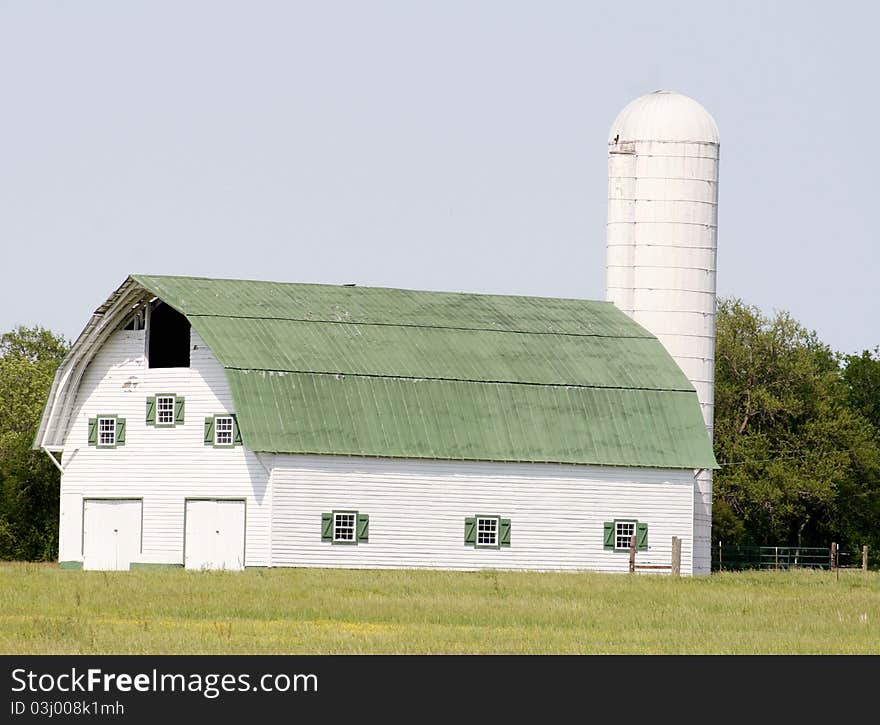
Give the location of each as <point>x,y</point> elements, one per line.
<point>865,558</point>
<point>835,567</point>
<point>632,554</point>
<point>676,556</point>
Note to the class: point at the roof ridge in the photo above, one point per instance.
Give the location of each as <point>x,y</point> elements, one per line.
<point>137,277</point>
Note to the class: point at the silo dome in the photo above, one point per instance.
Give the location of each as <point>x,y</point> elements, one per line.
<point>664,116</point>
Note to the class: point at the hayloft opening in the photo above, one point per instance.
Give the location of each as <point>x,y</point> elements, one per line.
<point>167,338</point>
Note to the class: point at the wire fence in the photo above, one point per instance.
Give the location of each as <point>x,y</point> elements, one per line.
<point>734,557</point>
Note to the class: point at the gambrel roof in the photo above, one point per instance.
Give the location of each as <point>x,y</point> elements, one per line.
<point>365,371</point>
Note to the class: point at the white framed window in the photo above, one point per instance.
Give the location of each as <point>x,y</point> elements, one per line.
<point>106,431</point>
<point>223,430</point>
<point>623,533</point>
<point>487,531</point>
<point>164,410</point>
<point>344,526</point>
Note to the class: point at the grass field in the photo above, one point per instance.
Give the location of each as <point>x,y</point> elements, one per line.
<point>46,610</point>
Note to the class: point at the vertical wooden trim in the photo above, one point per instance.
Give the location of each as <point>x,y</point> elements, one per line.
<point>676,556</point>
<point>148,309</point>
<point>632,554</point>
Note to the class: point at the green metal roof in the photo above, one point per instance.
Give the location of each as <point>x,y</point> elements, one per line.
<point>402,373</point>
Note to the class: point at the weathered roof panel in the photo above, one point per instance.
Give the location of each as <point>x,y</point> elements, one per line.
<point>386,306</point>
<point>357,416</point>
<point>440,353</point>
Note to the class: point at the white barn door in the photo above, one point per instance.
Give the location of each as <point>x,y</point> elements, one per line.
<point>111,533</point>
<point>214,536</point>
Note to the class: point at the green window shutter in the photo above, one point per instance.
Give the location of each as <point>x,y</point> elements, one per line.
<point>93,431</point>
<point>327,527</point>
<point>120,431</point>
<point>363,532</point>
<point>236,433</point>
<point>504,534</point>
<point>151,410</point>
<point>209,431</point>
<point>609,535</point>
<point>641,536</point>
<point>178,411</point>
<point>470,530</point>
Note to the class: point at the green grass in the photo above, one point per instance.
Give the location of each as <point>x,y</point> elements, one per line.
<point>46,610</point>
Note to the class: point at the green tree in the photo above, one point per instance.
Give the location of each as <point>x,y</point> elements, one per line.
<point>800,463</point>
<point>862,377</point>
<point>28,480</point>
<point>859,513</point>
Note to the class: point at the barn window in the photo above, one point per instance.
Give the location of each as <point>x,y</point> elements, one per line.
<point>345,527</point>
<point>165,410</point>
<point>487,532</point>
<point>167,338</point>
<point>223,430</point>
<point>623,533</point>
<point>107,431</point>
<point>619,532</point>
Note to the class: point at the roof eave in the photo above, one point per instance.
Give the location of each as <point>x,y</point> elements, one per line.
<point>62,394</point>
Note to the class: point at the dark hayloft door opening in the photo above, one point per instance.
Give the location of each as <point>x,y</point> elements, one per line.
<point>167,338</point>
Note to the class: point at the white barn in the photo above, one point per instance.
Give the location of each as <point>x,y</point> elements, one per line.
<point>207,423</point>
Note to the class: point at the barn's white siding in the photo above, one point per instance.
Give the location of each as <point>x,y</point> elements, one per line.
<point>417,511</point>
<point>162,466</point>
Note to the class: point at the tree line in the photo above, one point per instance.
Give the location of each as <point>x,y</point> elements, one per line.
<point>797,436</point>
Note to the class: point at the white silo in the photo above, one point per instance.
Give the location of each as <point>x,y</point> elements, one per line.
<point>662,235</point>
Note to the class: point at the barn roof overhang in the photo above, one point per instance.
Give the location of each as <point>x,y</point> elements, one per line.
<point>62,395</point>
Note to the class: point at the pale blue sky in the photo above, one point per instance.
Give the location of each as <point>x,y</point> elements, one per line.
<point>429,145</point>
